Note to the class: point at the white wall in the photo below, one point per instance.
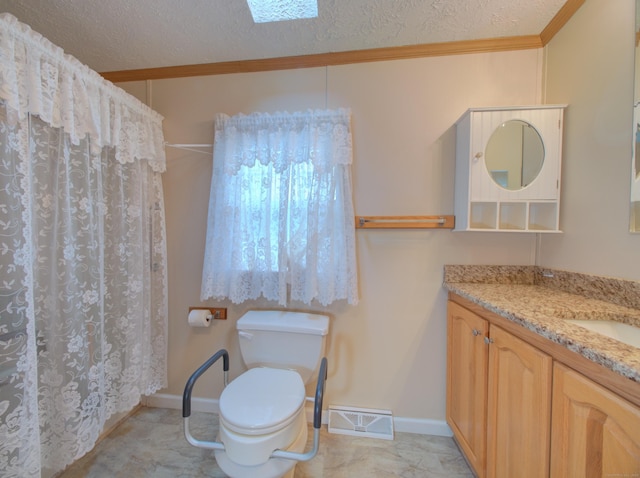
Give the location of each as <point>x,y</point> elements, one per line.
<point>389,351</point>
<point>590,66</point>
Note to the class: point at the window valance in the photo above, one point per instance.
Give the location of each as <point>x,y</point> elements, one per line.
<point>38,78</point>
<point>320,137</point>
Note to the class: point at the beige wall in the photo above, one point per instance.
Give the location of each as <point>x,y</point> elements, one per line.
<point>389,351</point>
<point>590,67</point>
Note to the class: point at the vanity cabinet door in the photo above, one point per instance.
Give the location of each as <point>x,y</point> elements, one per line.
<point>594,432</point>
<point>519,408</point>
<point>467,383</point>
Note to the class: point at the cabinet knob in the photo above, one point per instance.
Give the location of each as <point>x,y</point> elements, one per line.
<point>475,332</point>
<point>488,340</point>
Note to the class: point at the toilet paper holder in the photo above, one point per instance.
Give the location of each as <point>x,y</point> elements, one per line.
<point>219,313</point>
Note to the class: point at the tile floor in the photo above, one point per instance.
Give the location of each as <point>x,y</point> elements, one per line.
<point>151,444</point>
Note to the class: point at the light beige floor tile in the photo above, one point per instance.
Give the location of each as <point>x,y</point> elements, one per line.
<point>151,444</point>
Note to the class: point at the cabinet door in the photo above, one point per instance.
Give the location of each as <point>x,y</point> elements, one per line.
<point>594,432</point>
<point>467,383</point>
<point>519,408</point>
<point>547,123</point>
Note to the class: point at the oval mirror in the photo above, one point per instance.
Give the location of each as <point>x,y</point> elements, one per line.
<point>514,155</point>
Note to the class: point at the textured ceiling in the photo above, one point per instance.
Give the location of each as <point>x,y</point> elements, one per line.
<point>111,35</point>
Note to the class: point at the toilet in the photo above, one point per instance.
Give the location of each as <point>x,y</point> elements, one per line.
<point>263,410</point>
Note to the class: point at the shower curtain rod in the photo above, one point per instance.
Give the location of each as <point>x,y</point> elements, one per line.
<point>190,147</point>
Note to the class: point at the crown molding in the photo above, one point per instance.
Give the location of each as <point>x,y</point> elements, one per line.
<point>560,20</point>
<point>355,56</point>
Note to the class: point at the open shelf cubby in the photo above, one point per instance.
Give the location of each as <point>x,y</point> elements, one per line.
<point>513,216</point>
<point>543,216</point>
<point>483,215</point>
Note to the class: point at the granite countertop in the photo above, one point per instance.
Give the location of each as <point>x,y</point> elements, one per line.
<point>541,300</point>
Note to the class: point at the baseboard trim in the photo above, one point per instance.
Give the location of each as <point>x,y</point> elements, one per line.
<point>422,426</point>
<point>419,426</point>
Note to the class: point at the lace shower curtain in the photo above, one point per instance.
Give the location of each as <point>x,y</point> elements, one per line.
<point>281,221</point>
<point>83,300</point>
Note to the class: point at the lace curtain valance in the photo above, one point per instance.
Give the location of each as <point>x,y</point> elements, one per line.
<point>38,78</point>
<point>320,137</point>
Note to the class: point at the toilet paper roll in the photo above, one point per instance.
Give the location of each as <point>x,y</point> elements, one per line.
<point>200,318</point>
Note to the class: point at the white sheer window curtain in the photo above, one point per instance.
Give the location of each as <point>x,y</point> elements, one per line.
<point>83,299</point>
<point>281,221</point>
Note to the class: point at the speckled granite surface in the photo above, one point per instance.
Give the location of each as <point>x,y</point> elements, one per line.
<point>541,299</point>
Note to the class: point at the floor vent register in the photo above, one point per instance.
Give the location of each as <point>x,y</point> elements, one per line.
<point>361,422</point>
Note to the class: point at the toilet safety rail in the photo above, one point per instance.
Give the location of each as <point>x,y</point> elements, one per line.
<point>186,396</point>
<point>214,445</point>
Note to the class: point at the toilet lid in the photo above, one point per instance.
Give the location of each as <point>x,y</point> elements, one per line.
<point>262,400</point>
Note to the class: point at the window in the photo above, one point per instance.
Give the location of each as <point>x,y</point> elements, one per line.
<point>281,221</point>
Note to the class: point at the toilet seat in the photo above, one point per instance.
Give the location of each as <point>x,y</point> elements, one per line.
<point>262,401</point>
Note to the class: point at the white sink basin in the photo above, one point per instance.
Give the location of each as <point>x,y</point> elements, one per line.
<point>626,333</point>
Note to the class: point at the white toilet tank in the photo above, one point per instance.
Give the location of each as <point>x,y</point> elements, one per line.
<point>283,339</point>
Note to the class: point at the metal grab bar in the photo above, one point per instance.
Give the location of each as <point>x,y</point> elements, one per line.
<point>317,420</point>
<point>186,396</point>
<point>440,220</point>
<point>405,222</point>
<point>213,445</point>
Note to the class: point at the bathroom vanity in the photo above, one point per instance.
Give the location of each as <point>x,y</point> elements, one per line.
<point>530,392</point>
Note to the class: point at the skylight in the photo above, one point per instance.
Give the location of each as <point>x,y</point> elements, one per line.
<point>264,11</point>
